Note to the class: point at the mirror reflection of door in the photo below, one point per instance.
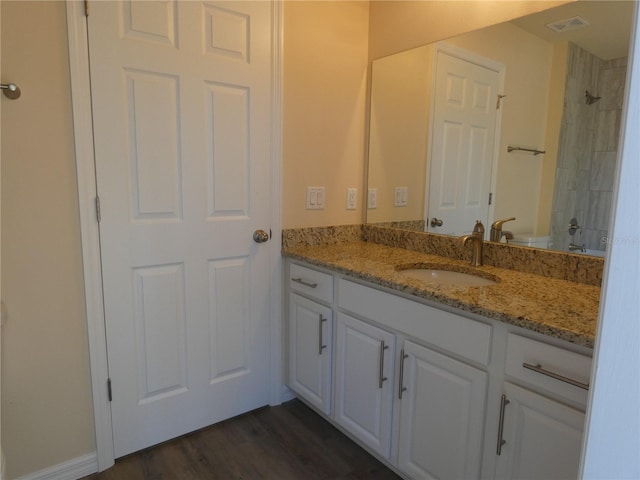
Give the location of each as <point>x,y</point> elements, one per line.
<point>463,141</point>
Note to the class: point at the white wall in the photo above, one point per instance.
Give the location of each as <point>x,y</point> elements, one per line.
<point>612,437</point>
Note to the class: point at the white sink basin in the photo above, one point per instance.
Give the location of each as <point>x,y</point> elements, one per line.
<point>447,277</point>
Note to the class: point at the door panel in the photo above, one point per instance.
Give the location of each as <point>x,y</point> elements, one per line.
<point>463,137</point>
<point>181,97</point>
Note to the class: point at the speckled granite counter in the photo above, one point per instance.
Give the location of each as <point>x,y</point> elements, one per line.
<point>554,307</point>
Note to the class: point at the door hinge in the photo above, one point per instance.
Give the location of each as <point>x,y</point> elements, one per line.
<point>86,8</point>
<point>98,214</point>
<point>109,392</point>
<point>490,198</point>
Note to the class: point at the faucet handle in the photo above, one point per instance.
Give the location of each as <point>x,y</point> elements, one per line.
<point>498,223</point>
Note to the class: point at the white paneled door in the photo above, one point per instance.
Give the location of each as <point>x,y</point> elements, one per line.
<point>462,144</point>
<point>181,96</point>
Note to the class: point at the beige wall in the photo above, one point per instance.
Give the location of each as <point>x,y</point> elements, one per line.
<point>46,398</point>
<point>325,78</point>
<point>399,126</point>
<point>399,25</point>
<point>552,137</point>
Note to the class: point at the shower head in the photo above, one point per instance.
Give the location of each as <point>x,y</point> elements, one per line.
<point>590,98</point>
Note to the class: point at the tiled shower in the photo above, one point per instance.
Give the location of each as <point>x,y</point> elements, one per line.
<point>588,149</point>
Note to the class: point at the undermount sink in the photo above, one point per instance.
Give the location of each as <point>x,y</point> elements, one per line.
<point>445,275</point>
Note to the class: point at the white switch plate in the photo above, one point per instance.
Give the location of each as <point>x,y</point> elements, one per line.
<point>400,196</point>
<point>352,194</point>
<point>315,198</point>
<point>372,198</point>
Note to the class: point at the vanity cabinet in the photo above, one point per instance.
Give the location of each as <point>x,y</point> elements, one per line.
<point>420,386</point>
<point>364,382</point>
<point>442,408</point>
<point>542,419</point>
<point>542,437</point>
<point>311,336</point>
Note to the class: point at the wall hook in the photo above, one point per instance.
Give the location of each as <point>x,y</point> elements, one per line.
<point>10,90</point>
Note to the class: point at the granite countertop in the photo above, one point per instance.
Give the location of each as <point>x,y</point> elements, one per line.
<point>554,307</point>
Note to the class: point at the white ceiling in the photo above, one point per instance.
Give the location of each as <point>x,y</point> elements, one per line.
<point>608,35</point>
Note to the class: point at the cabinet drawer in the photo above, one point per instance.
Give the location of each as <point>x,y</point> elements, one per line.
<point>311,282</point>
<point>465,337</point>
<point>550,367</point>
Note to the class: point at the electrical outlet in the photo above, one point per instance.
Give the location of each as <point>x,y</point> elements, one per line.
<point>372,198</point>
<point>315,198</point>
<point>351,198</point>
<point>400,196</point>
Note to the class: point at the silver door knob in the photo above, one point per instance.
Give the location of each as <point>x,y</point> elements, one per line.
<point>260,236</point>
<point>436,222</point>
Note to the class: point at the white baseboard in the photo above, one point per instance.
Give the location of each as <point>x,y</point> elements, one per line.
<point>71,470</point>
<point>287,394</point>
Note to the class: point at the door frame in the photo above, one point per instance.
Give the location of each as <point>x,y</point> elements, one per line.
<point>476,59</point>
<point>90,239</point>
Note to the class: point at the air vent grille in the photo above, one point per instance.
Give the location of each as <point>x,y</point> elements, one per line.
<point>568,24</point>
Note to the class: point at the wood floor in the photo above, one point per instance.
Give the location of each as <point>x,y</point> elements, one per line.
<point>288,442</point>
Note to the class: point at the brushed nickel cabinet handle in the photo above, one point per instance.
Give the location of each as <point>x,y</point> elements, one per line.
<point>381,377</point>
<point>401,388</point>
<point>538,369</point>
<point>302,282</point>
<point>321,347</point>
<point>501,441</point>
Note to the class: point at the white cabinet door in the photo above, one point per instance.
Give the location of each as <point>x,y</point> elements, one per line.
<point>310,351</point>
<point>441,415</point>
<point>364,382</point>
<point>542,437</point>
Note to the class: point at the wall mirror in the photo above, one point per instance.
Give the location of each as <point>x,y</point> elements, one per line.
<point>457,128</point>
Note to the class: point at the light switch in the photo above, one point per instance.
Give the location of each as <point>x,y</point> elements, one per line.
<point>315,198</point>
<point>352,194</point>
<point>372,198</point>
<point>400,196</point>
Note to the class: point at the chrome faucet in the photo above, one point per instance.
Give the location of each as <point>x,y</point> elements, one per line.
<point>496,230</point>
<point>477,242</point>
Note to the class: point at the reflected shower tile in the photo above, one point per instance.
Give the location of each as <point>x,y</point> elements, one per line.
<point>607,130</point>
<point>594,239</point>
<point>599,210</point>
<point>611,88</point>
<point>603,168</point>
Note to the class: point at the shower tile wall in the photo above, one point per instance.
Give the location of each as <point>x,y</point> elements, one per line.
<point>588,149</point>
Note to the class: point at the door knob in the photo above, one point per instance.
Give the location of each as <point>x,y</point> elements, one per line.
<point>436,222</point>
<point>260,236</point>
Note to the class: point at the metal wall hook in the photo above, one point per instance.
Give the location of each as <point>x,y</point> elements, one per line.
<point>10,90</point>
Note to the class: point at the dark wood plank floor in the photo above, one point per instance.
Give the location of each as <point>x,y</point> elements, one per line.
<point>288,442</point>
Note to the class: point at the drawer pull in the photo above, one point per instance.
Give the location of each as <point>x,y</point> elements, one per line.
<point>321,347</point>
<point>302,282</point>
<point>501,441</point>
<point>538,368</point>
<point>381,377</point>
<point>401,387</point>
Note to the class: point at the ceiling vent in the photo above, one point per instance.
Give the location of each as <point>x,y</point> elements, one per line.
<point>568,24</point>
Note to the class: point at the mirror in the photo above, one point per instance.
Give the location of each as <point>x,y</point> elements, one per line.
<point>558,92</point>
